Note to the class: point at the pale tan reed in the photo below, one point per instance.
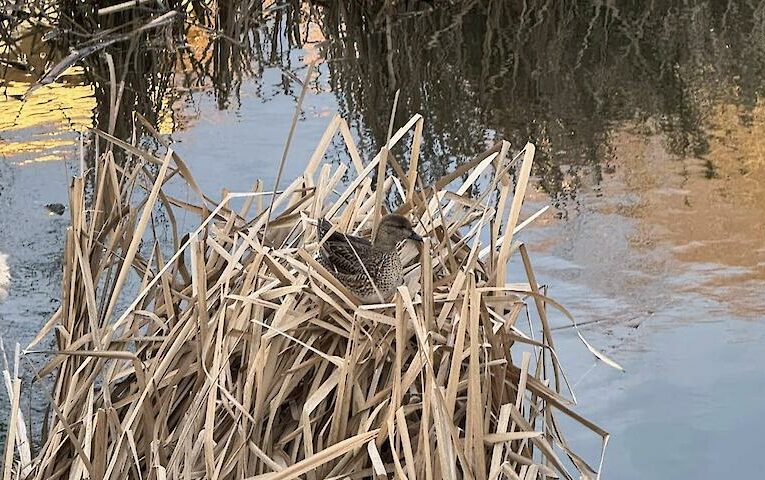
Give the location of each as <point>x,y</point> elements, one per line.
<point>241,357</point>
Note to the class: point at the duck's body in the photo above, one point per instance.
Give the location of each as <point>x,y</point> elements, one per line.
<point>372,272</point>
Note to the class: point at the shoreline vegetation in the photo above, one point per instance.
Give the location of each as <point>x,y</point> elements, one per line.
<point>239,356</point>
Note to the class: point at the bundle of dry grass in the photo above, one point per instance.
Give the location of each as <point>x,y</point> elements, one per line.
<point>241,357</point>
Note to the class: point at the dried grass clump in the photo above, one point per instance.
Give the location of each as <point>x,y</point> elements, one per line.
<point>240,357</point>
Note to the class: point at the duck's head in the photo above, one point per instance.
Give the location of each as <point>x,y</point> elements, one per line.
<point>392,230</point>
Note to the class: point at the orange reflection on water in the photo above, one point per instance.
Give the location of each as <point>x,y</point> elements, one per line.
<point>708,212</point>
<point>43,127</point>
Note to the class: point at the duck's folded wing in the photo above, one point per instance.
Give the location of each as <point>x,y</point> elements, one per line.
<point>341,252</point>
<point>344,256</point>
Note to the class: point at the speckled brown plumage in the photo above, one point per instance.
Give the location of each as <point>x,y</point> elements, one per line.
<point>340,254</point>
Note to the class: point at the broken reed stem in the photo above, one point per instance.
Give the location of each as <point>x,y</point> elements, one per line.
<point>253,361</point>
<point>127,263</point>
<point>382,168</point>
<point>293,125</point>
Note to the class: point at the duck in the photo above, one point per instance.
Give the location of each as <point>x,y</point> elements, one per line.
<point>356,262</point>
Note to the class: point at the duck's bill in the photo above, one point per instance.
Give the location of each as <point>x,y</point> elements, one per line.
<point>415,237</point>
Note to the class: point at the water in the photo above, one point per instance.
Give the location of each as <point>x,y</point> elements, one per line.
<point>649,126</point>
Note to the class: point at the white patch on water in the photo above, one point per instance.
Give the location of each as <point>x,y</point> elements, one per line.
<point>5,276</point>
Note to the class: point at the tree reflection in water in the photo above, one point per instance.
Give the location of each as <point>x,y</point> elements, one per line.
<point>560,74</point>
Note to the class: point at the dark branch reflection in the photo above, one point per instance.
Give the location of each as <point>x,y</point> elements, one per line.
<point>560,74</point>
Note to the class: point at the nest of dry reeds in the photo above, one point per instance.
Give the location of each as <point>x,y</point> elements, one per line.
<point>239,356</point>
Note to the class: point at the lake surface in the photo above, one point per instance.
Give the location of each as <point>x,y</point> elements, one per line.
<point>650,129</point>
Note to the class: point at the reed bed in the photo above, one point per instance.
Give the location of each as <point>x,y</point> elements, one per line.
<point>235,355</point>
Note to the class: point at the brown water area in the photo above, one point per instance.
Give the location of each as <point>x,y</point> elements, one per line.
<point>649,122</point>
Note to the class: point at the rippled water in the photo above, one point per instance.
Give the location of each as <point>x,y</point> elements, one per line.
<point>650,127</point>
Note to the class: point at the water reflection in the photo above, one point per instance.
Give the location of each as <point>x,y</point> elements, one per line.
<point>562,75</point>
<point>559,74</point>
<point>159,73</point>
<point>44,128</point>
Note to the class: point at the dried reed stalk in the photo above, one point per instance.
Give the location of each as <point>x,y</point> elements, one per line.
<point>241,357</point>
